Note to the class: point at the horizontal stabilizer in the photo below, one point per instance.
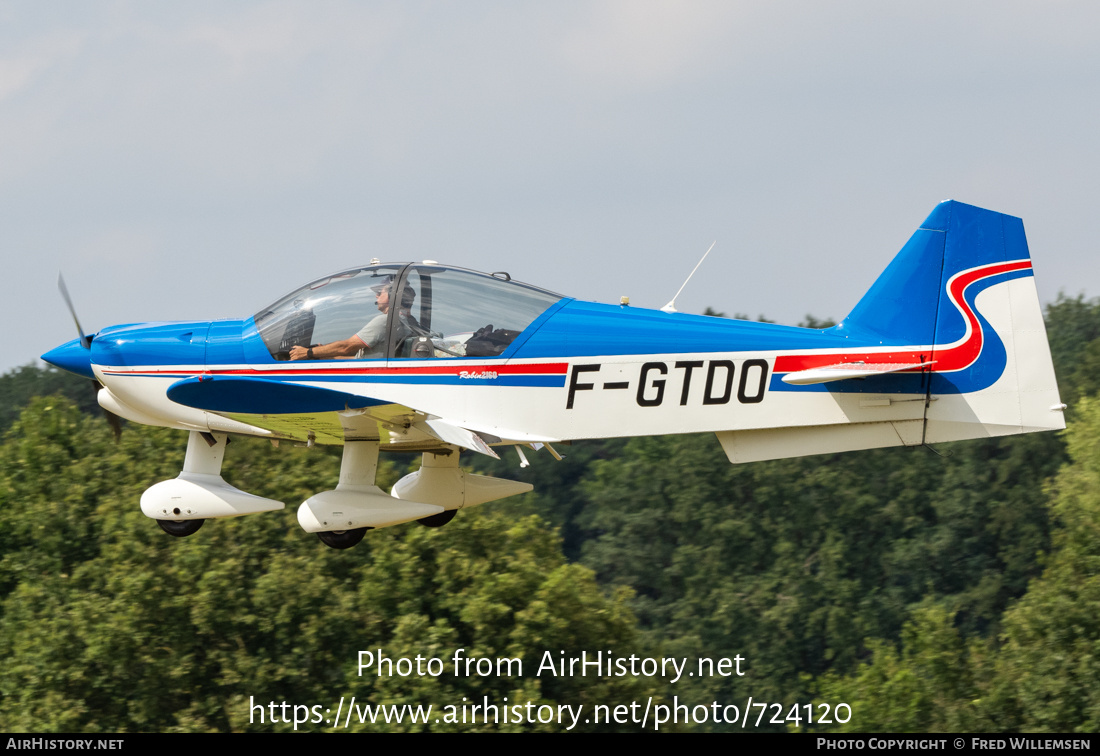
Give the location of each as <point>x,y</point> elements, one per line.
<point>782,443</point>
<point>261,396</point>
<point>846,370</point>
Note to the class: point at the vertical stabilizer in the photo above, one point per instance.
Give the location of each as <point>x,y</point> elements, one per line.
<point>962,292</point>
<point>957,312</point>
<point>993,374</point>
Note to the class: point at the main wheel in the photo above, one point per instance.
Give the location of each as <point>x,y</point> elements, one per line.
<point>438,520</point>
<point>342,539</point>
<point>180,528</point>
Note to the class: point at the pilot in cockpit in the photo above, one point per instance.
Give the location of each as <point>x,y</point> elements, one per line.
<point>370,341</point>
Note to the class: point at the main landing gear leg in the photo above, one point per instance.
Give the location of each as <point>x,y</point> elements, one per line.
<point>181,505</point>
<point>341,517</point>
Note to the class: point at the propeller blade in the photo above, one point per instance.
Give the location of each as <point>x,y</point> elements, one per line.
<point>84,340</point>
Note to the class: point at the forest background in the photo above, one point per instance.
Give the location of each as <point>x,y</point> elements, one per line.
<point>955,588</point>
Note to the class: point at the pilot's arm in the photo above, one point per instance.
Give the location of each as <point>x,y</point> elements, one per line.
<point>331,350</point>
<point>369,340</point>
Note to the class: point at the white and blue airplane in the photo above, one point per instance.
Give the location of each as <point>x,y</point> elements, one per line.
<point>948,344</point>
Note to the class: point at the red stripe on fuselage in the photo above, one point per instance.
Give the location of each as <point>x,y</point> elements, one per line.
<point>955,357</point>
<point>547,368</point>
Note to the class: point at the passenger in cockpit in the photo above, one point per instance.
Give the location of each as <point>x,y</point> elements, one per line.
<point>370,341</point>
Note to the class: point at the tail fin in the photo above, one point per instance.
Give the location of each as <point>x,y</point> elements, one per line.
<point>963,286</point>
<point>959,298</point>
<point>994,374</point>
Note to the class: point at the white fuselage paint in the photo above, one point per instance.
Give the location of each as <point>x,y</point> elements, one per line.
<point>642,395</point>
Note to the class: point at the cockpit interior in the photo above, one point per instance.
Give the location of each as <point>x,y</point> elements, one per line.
<point>429,311</point>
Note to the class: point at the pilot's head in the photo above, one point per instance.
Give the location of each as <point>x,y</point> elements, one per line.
<point>384,292</point>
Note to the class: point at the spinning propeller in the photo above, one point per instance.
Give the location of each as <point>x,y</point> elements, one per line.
<point>85,341</point>
<point>113,420</point>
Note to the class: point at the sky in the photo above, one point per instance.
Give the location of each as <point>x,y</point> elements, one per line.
<point>199,160</point>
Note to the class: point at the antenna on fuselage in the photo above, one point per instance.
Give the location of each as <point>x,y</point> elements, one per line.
<point>671,306</point>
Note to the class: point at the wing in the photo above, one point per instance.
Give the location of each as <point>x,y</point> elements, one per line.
<point>319,415</point>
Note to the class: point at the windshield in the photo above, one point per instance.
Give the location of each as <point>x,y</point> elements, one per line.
<point>329,309</point>
<point>410,311</point>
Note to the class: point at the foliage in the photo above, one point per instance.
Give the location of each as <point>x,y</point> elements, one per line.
<point>928,686</point>
<point>110,625</point>
<point>1040,674</point>
<point>1050,661</point>
<point>953,589</point>
<point>20,385</point>
<point>1073,330</point>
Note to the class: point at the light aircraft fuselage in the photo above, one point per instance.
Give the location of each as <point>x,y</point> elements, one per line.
<point>949,343</point>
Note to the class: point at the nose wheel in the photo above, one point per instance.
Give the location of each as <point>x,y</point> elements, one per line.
<point>342,539</point>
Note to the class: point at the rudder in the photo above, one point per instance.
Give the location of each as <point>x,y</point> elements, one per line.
<point>993,373</point>
<point>960,295</point>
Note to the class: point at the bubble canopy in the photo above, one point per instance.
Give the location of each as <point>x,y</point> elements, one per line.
<point>414,310</point>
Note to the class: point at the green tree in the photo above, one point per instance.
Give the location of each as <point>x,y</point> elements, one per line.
<point>1041,673</point>
<point>108,624</point>
<point>19,386</point>
<point>1048,672</point>
<point>1073,324</point>
<point>928,685</point>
